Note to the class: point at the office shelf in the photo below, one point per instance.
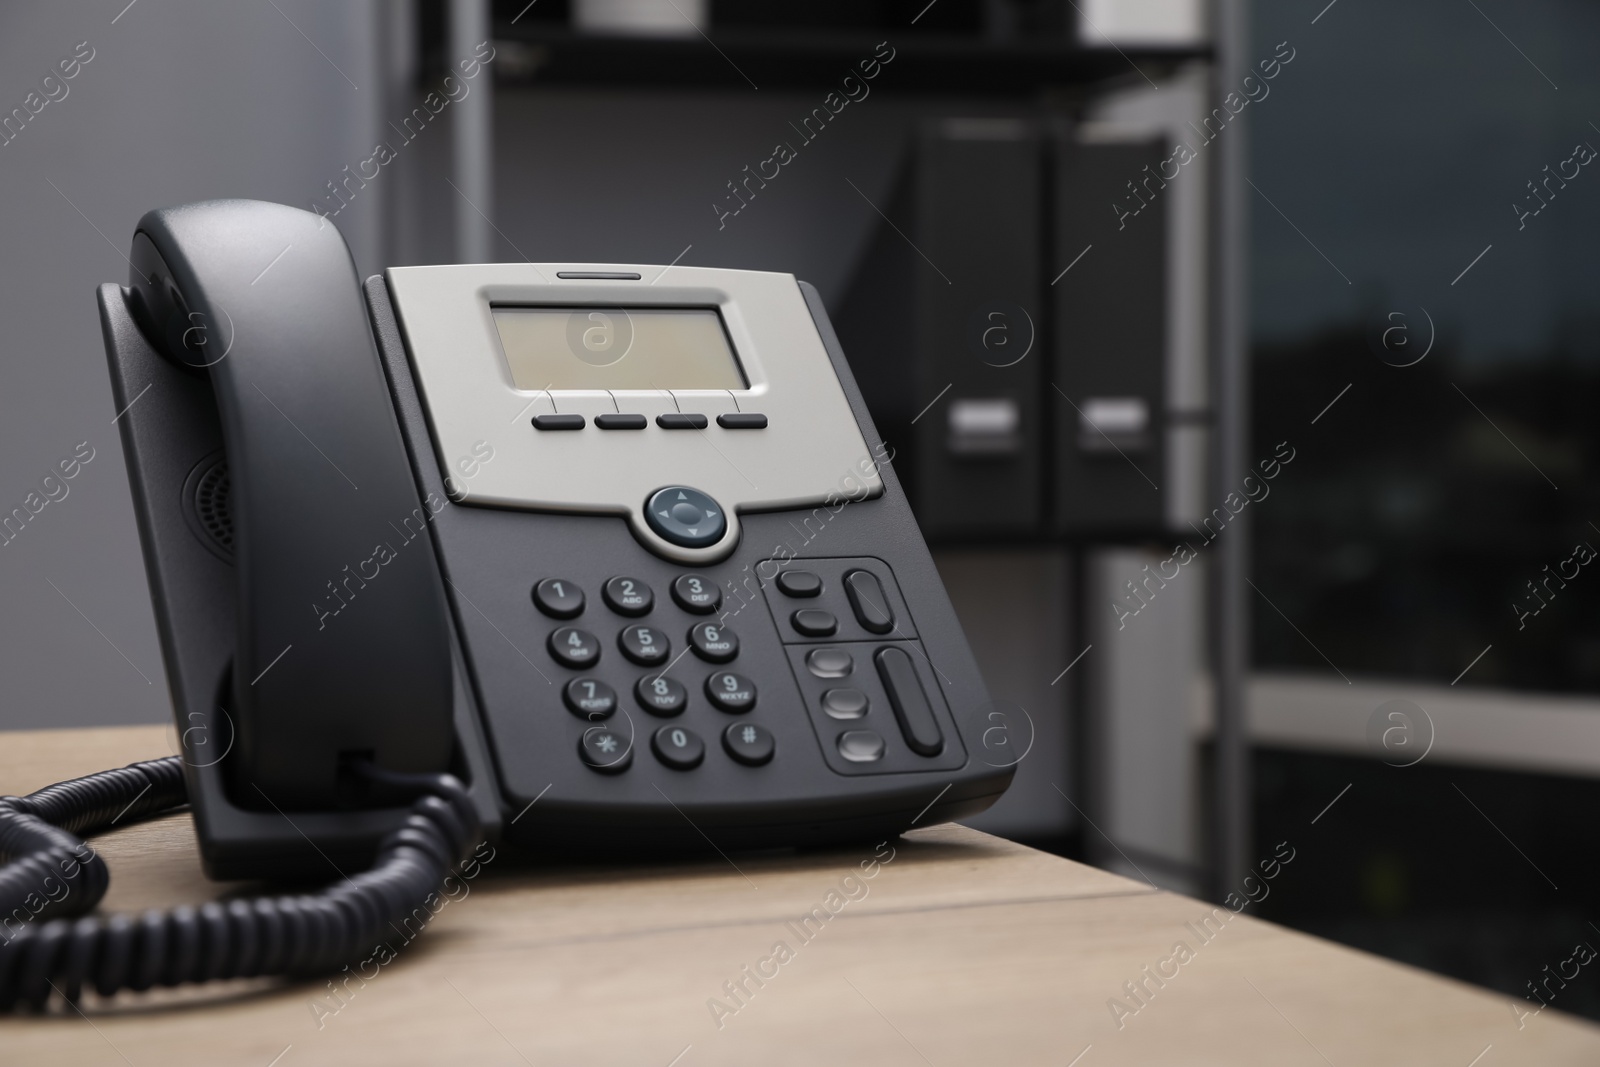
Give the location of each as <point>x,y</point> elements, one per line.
<point>738,59</point>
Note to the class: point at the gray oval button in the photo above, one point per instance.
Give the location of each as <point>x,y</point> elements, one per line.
<point>829,662</point>
<point>860,746</point>
<point>844,703</point>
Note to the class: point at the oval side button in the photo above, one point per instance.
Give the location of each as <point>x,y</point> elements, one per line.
<point>909,701</point>
<point>868,601</point>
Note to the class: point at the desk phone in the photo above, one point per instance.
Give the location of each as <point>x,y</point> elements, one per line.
<point>600,557</point>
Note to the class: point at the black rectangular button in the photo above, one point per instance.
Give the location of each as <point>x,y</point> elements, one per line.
<point>868,601</point>
<point>742,420</point>
<point>681,421</point>
<point>558,422</point>
<point>621,422</point>
<point>910,702</point>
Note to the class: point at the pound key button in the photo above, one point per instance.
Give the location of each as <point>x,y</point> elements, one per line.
<point>686,517</point>
<point>748,743</point>
<point>605,750</point>
<point>575,648</point>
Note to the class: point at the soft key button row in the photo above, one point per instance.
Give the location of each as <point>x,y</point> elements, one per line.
<point>837,599</point>
<point>670,420</point>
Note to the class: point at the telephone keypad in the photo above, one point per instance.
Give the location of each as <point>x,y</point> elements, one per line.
<point>605,750</point>
<point>713,642</point>
<point>732,693</point>
<point>645,645</point>
<point>749,743</point>
<point>590,698</point>
<point>660,695</point>
<point>697,593</point>
<point>559,598</point>
<point>628,596</point>
<point>886,717</point>
<point>575,648</point>
<point>678,747</point>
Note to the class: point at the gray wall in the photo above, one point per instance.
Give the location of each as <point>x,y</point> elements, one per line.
<point>183,100</point>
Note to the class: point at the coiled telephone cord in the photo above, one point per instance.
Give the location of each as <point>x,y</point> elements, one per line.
<point>54,953</point>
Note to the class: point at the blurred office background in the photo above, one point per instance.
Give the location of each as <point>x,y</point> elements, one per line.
<point>1045,301</point>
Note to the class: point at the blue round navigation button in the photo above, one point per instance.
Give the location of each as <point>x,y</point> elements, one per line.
<point>686,517</point>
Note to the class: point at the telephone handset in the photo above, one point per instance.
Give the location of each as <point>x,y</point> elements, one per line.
<point>592,557</point>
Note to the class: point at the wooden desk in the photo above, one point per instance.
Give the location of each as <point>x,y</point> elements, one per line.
<point>962,949</point>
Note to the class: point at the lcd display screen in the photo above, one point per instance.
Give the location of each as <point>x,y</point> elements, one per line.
<point>617,348</point>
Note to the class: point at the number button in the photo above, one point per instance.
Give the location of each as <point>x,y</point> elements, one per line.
<point>748,743</point>
<point>628,596</point>
<point>645,645</point>
<point>660,695</point>
<point>590,698</point>
<point>559,598</point>
<point>697,593</point>
<point>733,693</point>
<point>714,642</point>
<point>678,748</point>
<point>575,648</point>
<point>605,750</point>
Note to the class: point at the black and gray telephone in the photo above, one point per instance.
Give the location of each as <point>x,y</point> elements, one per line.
<point>598,557</point>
